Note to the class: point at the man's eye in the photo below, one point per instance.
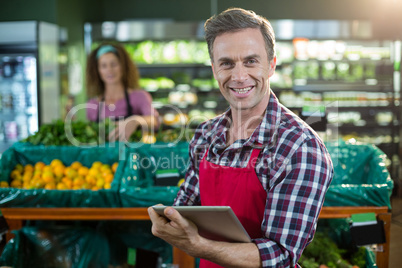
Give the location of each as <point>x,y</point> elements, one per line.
<point>226,64</point>
<point>251,61</point>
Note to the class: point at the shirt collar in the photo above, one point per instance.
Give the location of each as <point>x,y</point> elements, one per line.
<point>265,134</point>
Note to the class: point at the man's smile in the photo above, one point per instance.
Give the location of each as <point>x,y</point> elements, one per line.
<point>242,90</point>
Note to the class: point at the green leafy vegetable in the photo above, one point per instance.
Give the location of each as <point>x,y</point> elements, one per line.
<point>81,132</point>
<point>323,250</point>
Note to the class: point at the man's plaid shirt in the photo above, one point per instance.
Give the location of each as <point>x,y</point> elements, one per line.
<point>293,166</point>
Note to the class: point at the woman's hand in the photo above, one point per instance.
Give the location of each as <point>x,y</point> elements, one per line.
<point>124,129</point>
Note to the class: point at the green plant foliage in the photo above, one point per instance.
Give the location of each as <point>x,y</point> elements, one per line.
<point>81,133</point>
<point>323,250</point>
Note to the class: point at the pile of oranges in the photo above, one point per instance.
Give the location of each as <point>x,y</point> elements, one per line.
<point>61,177</point>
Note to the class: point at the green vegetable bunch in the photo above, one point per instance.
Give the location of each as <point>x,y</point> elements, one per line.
<point>83,133</point>
<point>323,250</point>
<point>58,133</point>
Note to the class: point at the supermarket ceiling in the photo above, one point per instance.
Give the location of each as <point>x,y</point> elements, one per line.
<point>168,29</point>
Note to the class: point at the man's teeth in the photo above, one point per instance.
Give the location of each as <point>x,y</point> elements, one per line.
<point>242,90</point>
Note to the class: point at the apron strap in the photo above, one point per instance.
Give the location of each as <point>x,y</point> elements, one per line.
<point>253,158</point>
<point>129,108</point>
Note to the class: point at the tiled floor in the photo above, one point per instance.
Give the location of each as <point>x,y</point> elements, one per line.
<point>395,258</point>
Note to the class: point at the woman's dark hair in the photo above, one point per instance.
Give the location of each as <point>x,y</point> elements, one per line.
<point>236,19</point>
<point>130,73</point>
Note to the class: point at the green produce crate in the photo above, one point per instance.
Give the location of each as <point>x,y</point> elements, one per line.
<point>56,246</point>
<point>137,187</point>
<point>80,246</point>
<point>361,177</point>
<point>25,153</point>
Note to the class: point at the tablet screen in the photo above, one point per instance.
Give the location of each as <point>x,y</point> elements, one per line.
<point>213,222</point>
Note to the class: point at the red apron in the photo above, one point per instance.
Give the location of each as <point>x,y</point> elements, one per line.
<point>238,188</point>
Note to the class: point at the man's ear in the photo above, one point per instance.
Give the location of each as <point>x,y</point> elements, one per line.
<point>272,66</point>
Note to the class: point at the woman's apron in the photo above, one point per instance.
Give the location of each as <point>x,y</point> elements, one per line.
<point>129,109</point>
<point>238,188</point>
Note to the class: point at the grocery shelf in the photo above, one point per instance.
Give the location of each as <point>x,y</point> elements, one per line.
<point>329,86</point>
<point>369,127</point>
<point>362,109</point>
<point>16,216</point>
<point>173,65</point>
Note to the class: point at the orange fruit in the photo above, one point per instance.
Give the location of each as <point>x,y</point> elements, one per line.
<point>26,185</point>
<point>19,167</point>
<point>47,169</point>
<point>85,185</point>
<point>50,186</point>
<point>36,177</point>
<point>83,171</point>
<point>15,174</point>
<point>38,183</point>
<point>95,188</point>
<point>37,173</point>
<point>96,164</point>
<point>76,165</point>
<point>105,167</point>
<point>180,182</point>
<point>100,183</point>
<point>61,186</point>
<point>56,162</point>
<point>58,171</point>
<point>26,177</point>
<point>106,173</point>
<point>39,165</point>
<point>78,181</point>
<point>90,179</point>
<point>114,166</point>
<point>4,184</point>
<point>16,184</point>
<point>29,168</point>
<point>107,186</point>
<point>93,172</point>
<point>67,182</point>
<point>70,172</point>
<point>47,177</point>
<point>147,138</point>
<point>109,178</point>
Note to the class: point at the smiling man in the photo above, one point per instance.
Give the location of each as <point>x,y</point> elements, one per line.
<point>258,157</point>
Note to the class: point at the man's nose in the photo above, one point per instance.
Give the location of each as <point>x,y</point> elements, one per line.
<point>239,73</point>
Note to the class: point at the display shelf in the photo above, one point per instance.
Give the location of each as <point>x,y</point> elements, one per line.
<point>330,86</point>
<point>16,216</point>
<point>172,65</point>
<point>345,128</point>
<point>365,110</point>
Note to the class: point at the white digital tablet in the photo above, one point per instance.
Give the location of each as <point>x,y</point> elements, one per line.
<point>213,222</point>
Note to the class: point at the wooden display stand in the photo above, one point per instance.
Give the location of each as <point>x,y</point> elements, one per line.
<point>16,216</point>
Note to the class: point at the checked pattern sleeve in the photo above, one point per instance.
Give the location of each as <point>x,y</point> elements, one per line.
<point>299,178</point>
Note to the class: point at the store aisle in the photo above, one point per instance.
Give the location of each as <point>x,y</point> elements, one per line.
<point>395,258</point>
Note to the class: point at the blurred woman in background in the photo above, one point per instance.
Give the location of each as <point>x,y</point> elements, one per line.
<point>113,83</point>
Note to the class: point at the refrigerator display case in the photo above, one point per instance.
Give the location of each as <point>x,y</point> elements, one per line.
<point>29,79</point>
